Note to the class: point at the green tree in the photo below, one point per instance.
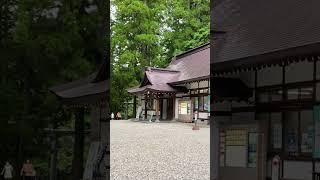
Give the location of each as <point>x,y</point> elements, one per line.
<point>150,33</point>
<point>43,43</point>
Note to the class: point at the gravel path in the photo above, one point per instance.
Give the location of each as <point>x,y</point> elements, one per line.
<point>159,151</point>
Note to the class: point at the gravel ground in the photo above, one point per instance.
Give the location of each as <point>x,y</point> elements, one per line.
<point>159,151</point>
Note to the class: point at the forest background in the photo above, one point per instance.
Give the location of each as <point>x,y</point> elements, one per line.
<point>44,43</point>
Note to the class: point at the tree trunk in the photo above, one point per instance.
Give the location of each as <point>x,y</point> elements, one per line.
<point>77,163</point>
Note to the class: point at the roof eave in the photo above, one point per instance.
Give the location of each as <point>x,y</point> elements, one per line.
<point>190,80</point>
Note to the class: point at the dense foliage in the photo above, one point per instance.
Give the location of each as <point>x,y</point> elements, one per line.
<point>150,33</point>
<point>45,43</point>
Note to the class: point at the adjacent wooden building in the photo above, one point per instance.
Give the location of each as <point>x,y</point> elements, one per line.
<point>89,95</point>
<point>274,48</point>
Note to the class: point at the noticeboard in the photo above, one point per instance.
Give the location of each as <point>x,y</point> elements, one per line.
<point>236,148</point>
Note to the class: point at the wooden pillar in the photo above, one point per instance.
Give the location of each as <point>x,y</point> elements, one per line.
<point>157,108</point>
<point>214,125</point>
<point>262,149</point>
<point>145,107</point>
<point>53,157</point>
<point>77,162</point>
<point>134,105</point>
<point>105,134</point>
<point>214,149</point>
<point>174,107</point>
<point>94,124</point>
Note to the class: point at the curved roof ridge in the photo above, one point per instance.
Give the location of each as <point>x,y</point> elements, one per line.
<point>190,52</point>
<point>162,69</point>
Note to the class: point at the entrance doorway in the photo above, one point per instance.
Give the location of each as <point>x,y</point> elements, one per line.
<point>167,108</point>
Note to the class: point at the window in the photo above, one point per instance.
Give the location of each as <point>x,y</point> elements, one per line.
<point>276,94</point>
<point>298,130</point>
<point>200,103</point>
<point>293,94</point>
<point>306,93</point>
<point>300,93</point>
<point>195,105</point>
<point>252,149</point>
<point>270,95</point>
<point>291,132</point>
<point>184,108</point>
<point>206,103</point>
<point>276,131</point>
<point>306,120</point>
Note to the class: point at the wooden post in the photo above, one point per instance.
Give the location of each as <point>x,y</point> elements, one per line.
<point>157,108</point>
<point>145,108</point>
<point>134,105</point>
<point>261,149</point>
<point>214,125</point>
<point>77,162</point>
<point>53,157</point>
<point>214,149</point>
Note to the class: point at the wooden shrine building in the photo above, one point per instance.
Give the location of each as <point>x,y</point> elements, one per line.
<point>274,48</point>
<point>178,91</point>
<point>90,94</point>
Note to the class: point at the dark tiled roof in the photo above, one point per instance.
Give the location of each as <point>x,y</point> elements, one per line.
<point>93,85</point>
<point>261,27</point>
<point>157,81</point>
<point>84,88</point>
<point>193,64</point>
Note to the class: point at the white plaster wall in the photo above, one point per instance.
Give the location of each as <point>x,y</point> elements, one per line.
<point>189,86</point>
<point>302,71</point>
<point>203,84</point>
<point>301,170</point>
<point>269,76</point>
<point>204,115</point>
<point>193,85</point>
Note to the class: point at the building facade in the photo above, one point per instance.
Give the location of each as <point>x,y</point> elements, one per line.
<point>178,92</point>
<point>273,47</point>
